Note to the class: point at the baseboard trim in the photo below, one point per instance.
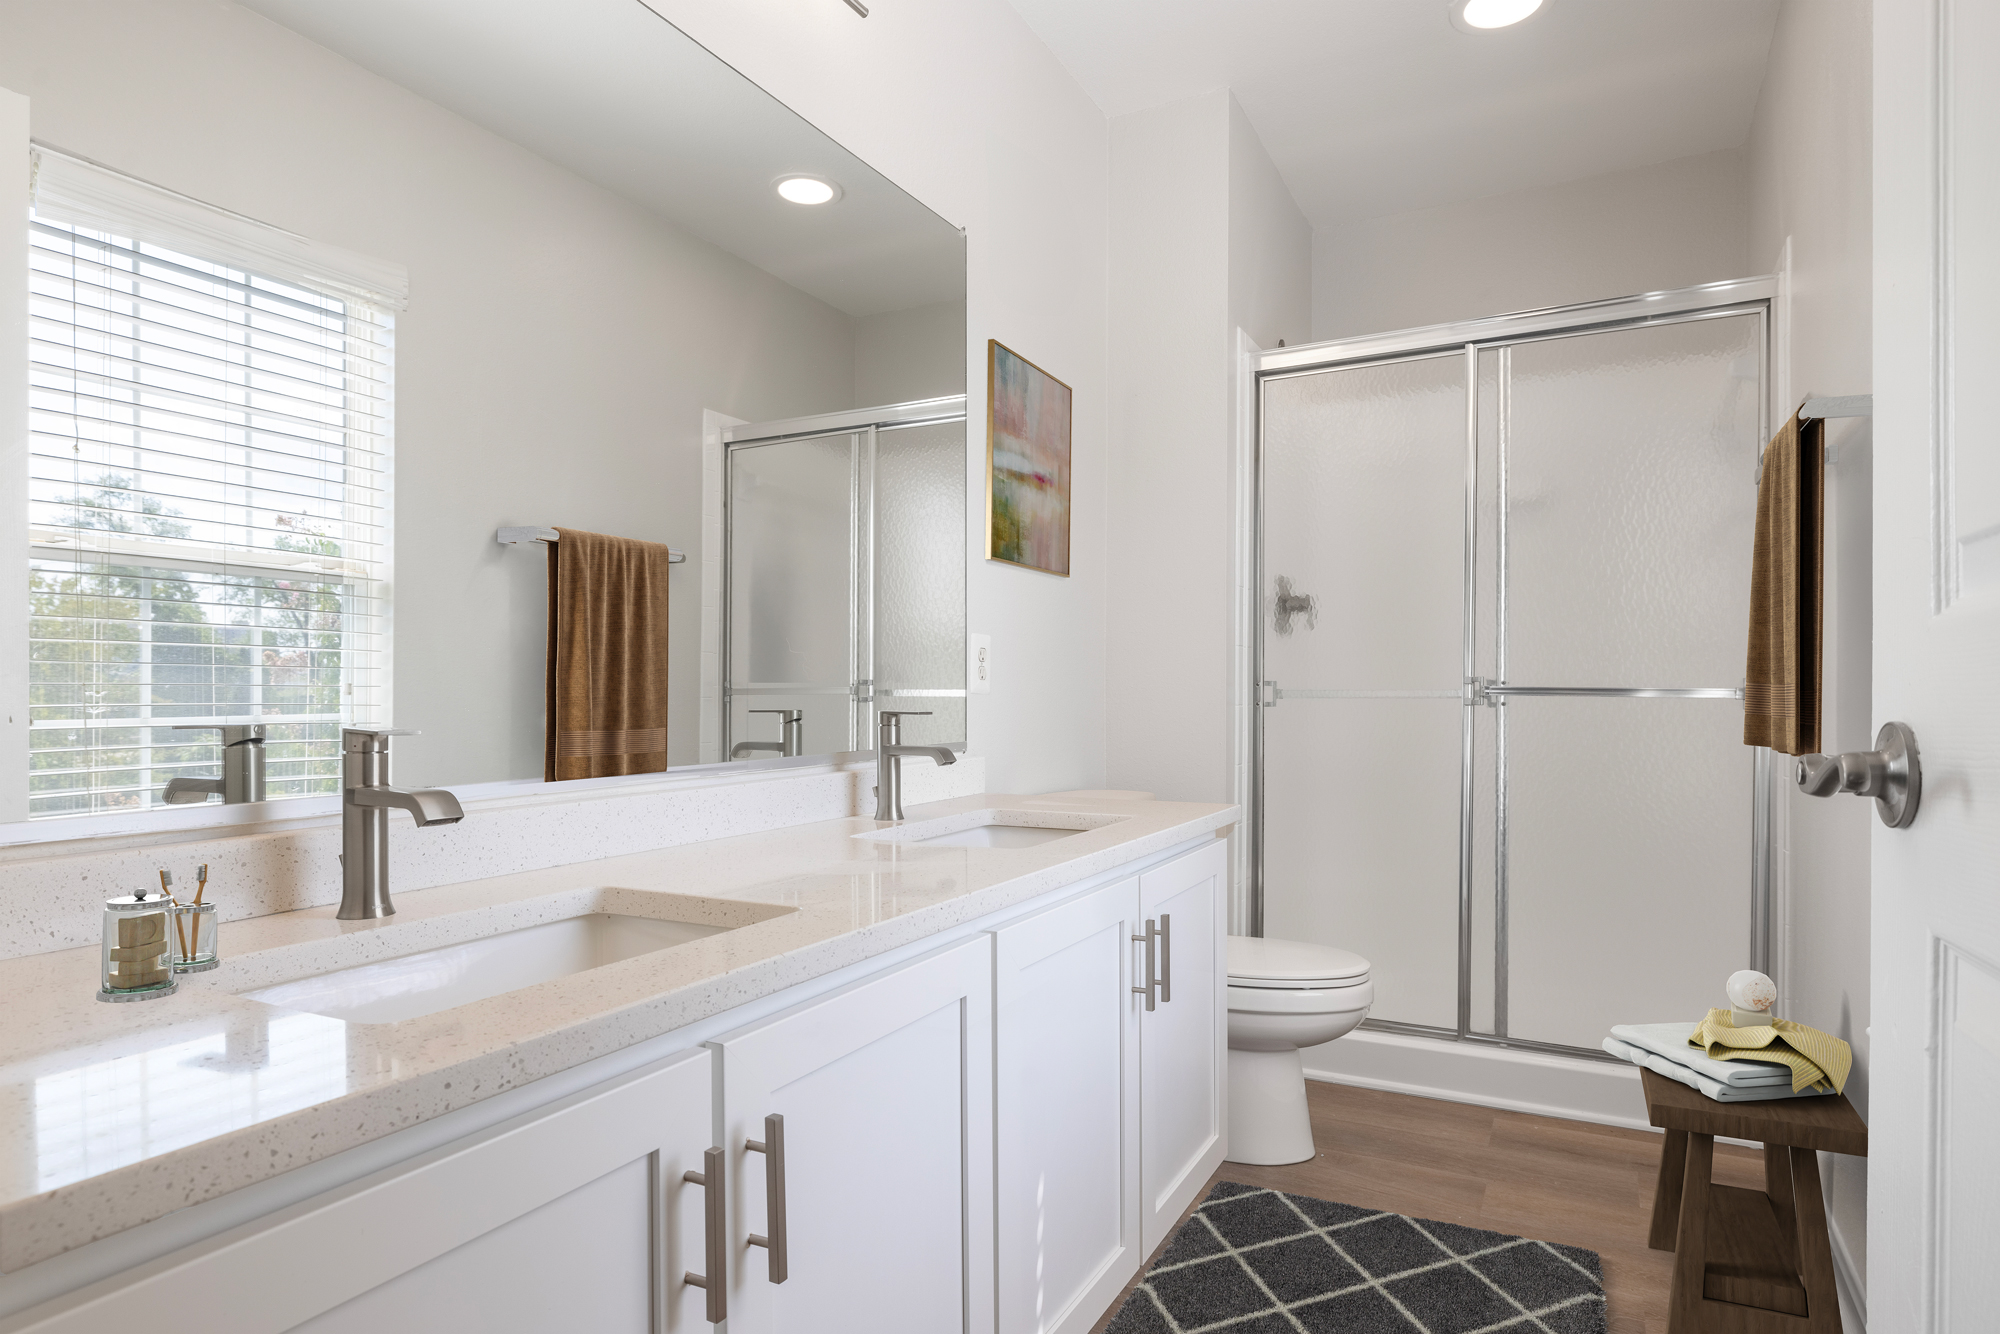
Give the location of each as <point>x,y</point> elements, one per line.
<point>1516,1081</point>
<point>1848,1280</point>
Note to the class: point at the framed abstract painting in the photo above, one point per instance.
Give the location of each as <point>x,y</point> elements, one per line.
<point>1027,463</point>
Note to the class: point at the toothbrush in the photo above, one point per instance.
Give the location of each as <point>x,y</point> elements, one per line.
<point>167,892</point>
<point>201,882</point>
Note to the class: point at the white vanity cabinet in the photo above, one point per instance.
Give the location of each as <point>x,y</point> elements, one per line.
<point>1109,1113</point>
<point>1067,1110</point>
<point>573,1217</point>
<point>1184,1040</point>
<point>873,1188</point>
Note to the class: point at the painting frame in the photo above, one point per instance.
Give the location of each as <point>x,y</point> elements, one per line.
<point>1030,416</point>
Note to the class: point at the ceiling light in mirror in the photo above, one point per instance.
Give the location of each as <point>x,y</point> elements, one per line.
<point>1484,15</point>
<point>807,190</point>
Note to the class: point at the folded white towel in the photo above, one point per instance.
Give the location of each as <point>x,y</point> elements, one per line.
<point>1671,1041</point>
<point>1701,1083</point>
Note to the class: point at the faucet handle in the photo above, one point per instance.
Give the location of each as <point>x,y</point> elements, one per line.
<point>902,713</point>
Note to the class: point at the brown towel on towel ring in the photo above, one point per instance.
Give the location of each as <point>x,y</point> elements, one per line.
<point>1781,684</point>
<point>607,672</point>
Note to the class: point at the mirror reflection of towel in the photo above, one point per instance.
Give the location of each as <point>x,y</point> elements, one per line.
<point>607,657</point>
<point>1781,681</point>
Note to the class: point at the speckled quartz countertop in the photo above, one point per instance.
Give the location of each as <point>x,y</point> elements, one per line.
<point>113,1115</point>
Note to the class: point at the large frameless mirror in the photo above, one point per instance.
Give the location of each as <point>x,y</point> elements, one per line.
<point>325,297</point>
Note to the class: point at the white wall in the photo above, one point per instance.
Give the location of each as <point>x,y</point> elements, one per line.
<point>958,103</point>
<point>1205,239</point>
<point>1670,225</point>
<point>554,362</point>
<point>1811,182</point>
<point>904,355</point>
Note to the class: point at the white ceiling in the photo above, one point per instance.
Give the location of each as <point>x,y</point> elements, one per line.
<point>613,92</point>
<point>1375,107</point>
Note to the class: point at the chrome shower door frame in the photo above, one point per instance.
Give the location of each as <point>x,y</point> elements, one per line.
<point>863,427</point>
<point>1468,339</point>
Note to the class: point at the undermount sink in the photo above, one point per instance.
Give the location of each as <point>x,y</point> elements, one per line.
<point>992,829</point>
<point>411,985</point>
<point>995,836</point>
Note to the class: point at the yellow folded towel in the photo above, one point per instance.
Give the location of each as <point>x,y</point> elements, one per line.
<point>1815,1058</point>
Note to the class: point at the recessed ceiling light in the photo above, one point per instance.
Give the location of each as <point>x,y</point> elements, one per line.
<point>1482,15</point>
<point>807,190</point>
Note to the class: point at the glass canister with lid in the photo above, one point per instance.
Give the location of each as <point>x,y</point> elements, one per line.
<point>138,944</point>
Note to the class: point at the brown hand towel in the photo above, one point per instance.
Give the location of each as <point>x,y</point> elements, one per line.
<point>1781,686</point>
<point>607,674</point>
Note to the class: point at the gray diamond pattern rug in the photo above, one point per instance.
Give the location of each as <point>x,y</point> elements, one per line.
<point>1254,1261</point>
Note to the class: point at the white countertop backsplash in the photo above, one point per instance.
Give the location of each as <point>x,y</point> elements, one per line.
<point>52,894</point>
<point>113,1115</point>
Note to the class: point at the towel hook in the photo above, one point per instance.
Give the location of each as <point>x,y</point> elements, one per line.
<point>1890,773</point>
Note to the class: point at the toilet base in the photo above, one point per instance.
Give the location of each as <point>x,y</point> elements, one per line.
<point>1268,1121</point>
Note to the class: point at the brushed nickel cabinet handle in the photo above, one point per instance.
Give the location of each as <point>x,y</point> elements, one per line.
<point>1166,958</point>
<point>714,1238</point>
<point>1151,942</point>
<point>772,1146</point>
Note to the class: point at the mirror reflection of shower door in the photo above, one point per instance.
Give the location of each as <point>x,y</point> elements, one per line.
<point>919,620</point>
<point>1362,738</point>
<point>796,590</point>
<point>1499,752</point>
<point>1616,497</point>
<point>837,603</point>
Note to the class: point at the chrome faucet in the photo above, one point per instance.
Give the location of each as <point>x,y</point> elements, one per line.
<point>242,767</point>
<point>791,734</point>
<point>365,802</point>
<point>889,762</point>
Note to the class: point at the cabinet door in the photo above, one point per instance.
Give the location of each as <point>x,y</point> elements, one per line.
<point>1184,1040</point>
<point>574,1217</point>
<point>1066,1128</point>
<point>883,1207</point>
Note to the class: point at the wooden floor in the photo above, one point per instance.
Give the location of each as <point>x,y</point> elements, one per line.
<point>1536,1176</point>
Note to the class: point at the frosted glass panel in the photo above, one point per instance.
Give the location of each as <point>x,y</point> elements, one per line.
<point>791,587</point>
<point>1630,473</point>
<point>1628,862</point>
<point>1361,841</point>
<point>1364,511</point>
<point>920,599</point>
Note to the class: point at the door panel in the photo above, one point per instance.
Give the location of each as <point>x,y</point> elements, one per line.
<point>886,1093</point>
<point>1066,1050</point>
<point>1183,1041</point>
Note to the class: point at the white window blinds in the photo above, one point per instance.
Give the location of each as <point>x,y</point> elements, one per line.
<point>210,428</point>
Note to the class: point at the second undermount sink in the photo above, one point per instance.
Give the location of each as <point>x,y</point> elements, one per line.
<point>992,829</point>
<point>995,836</point>
<point>411,985</point>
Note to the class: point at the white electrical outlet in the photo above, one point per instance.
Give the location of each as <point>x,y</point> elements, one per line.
<point>978,664</point>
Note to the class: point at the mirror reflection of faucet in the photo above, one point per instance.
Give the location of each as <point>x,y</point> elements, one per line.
<point>242,766</point>
<point>365,802</point>
<point>791,736</point>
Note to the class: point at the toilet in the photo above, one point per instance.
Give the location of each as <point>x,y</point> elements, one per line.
<point>1283,995</point>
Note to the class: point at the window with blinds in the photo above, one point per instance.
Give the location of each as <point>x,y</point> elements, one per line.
<point>208,509</point>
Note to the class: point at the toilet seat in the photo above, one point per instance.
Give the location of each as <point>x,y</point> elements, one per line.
<point>1261,964</point>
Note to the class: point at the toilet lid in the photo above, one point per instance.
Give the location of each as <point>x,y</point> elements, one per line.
<point>1258,961</point>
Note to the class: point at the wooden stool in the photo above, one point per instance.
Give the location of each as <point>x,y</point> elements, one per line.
<point>1748,1261</point>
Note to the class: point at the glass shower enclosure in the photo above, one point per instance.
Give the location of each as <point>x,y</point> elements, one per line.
<point>1504,570</point>
<point>835,600</point>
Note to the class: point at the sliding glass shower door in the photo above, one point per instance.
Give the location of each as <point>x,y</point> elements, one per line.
<point>1506,585</point>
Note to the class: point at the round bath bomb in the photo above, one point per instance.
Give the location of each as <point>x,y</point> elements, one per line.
<point>1751,990</point>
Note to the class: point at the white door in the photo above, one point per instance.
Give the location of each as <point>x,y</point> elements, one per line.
<point>574,1217</point>
<point>1184,1038</point>
<point>1066,1031</point>
<point>872,1189</point>
<point>1934,1077</point>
